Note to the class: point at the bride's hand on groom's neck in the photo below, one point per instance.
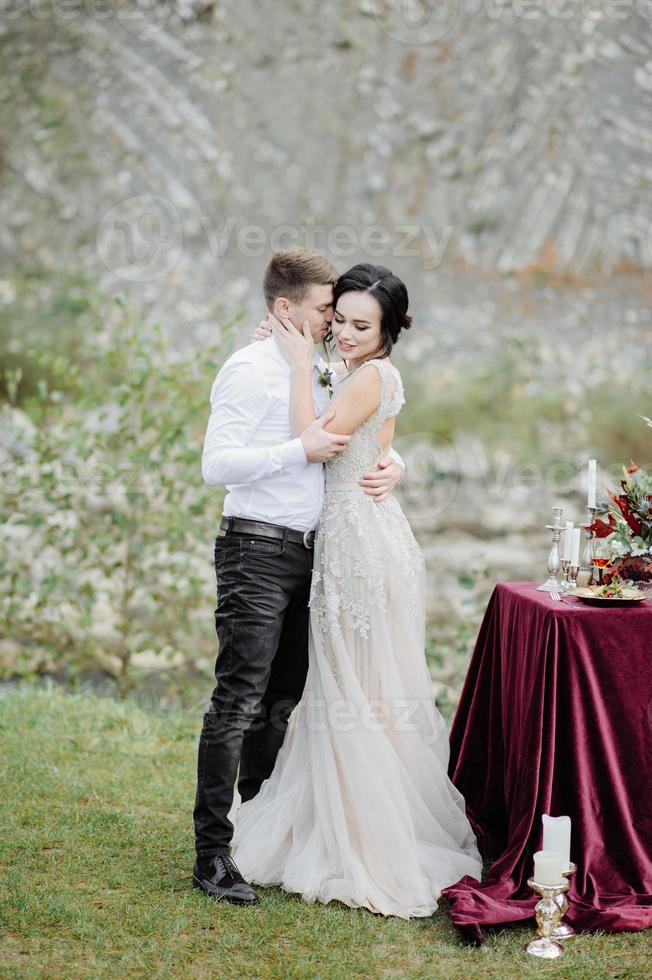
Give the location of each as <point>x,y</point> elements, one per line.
<point>263,330</point>
<point>297,346</point>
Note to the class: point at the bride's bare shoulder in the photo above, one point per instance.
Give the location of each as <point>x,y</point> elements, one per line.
<point>359,383</point>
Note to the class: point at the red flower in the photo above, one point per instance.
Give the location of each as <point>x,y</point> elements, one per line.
<point>623,505</point>
<point>602,530</point>
<point>632,466</point>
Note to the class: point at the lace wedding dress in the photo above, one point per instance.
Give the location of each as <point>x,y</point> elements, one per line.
<point>359,807</point>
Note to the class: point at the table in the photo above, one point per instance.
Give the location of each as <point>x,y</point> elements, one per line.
<point>556,717</point>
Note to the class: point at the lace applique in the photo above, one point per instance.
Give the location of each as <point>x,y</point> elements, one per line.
<point>356,581</point>
<point>343,522</point>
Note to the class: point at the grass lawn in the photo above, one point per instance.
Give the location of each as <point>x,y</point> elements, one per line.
<point>96,852</point>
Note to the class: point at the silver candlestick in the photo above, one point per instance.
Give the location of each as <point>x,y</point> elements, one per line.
<point>565,581</point>
<point>552,582</point>
<point>585,573</point>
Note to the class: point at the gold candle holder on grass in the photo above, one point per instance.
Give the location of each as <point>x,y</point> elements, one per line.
<point>563,930</point>
<point>548,914</point>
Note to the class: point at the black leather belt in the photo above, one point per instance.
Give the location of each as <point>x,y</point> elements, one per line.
<point>240,525</point>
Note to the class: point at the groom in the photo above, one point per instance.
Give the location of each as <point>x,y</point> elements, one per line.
<point>263,559</point>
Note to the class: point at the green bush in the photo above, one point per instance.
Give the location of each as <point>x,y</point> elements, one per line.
<point>107,527</point>
<point>542,403</point>
<point>40,310</point>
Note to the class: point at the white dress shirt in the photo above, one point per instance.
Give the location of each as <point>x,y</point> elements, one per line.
<point>249,447</point>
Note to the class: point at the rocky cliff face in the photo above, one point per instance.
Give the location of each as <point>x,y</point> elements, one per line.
<point>166,150</point>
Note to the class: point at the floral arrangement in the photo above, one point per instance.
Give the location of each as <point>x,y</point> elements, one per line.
<point>628,523</point>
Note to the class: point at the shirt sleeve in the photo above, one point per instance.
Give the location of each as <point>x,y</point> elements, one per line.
<point>239,400</point>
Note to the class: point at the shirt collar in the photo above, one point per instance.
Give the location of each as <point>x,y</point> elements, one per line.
<point>317,360</point>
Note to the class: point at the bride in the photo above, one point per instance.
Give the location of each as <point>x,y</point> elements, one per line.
<point>359,807</point>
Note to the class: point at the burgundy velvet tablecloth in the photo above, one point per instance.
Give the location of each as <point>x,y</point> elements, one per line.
<point>556,717</point>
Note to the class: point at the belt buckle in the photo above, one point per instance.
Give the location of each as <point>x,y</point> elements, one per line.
<point>309,547</point>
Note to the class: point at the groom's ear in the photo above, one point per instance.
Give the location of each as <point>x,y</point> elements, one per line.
<point>281,306</point>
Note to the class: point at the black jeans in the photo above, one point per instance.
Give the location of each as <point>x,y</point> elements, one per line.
<point>262,617</point>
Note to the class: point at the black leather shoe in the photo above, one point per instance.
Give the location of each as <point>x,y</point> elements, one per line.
<point>223,882</point>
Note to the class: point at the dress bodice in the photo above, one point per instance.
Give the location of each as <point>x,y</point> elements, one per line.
<point>364,451</point>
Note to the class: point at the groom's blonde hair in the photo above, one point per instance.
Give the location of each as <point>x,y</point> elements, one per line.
<point>293,271</point>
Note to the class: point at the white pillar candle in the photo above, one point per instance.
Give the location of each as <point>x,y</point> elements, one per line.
<point>568,541</point>
<point>575,547</point>
<point>556,837</point>
<point>593,480</point>
<point>548,868</point>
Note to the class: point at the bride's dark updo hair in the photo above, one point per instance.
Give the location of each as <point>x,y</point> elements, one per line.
<point>385,287</point>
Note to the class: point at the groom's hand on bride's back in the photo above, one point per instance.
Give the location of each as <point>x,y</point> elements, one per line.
<point>319,445</point>
<point>380,483</point>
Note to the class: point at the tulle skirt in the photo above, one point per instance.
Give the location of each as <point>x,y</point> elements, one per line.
<point>359,807</point>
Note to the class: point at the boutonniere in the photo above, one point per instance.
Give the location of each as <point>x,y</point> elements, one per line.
<point>325,377</point>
